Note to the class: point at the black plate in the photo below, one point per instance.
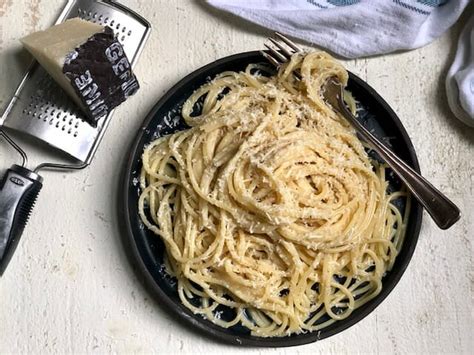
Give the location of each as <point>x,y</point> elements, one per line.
<point>146,249</point>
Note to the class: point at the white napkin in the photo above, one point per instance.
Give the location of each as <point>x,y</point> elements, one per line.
<point>352,28</point>
<point>460,78</point>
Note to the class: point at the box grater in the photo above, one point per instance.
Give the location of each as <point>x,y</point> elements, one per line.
<point>41,111</point>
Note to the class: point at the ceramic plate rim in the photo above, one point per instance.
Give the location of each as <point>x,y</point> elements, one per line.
<point>196,321</point>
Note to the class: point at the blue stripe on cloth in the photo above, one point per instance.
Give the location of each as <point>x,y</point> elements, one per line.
<point>410,7</point>
<point>343,2</point>
<point>313,2</point>
<point>432,3</point>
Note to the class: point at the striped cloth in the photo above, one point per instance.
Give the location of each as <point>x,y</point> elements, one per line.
<point>352,28</point>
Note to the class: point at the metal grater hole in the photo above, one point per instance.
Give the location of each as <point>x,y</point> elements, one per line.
<point>112,22</point>
<point>89,14</point>
<point>123,29</point>
<point>76,125</point>
<point>70,121</point>
<point>106,20</point>
<point>69,131</point>
<point>75,134</point>
<point>53,111</point>
<point>101,17</point>
<point>57,125</point>
<point>58,115</point>
<point>40,116</point>
<point>79,10</point>
<point>35,114</point>
<point>24,111</point>
<point>63,128</point>
<point>51,122</point>
<point>94,15</point>
<point>122,38</point>
<point>29,113</point>
<point>118,26</point>
<point>129,33</point>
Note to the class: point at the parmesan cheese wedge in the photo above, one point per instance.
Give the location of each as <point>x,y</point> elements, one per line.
<point>88,62</point>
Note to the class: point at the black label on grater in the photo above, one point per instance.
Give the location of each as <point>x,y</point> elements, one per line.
<point>100,74</point>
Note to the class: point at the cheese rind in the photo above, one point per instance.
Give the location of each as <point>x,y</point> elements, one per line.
<point>88,62</point>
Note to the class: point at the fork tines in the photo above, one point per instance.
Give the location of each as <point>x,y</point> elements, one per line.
<point>281,51</point>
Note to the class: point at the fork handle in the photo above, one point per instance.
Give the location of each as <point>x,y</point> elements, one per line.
<point>443,211</point>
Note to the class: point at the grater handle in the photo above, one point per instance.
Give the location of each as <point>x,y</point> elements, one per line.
<point>18,192</point>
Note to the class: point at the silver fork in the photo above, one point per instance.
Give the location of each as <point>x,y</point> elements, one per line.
<point>443,211</point>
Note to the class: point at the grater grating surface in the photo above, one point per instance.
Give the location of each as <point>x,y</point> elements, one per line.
<point>42,110</point>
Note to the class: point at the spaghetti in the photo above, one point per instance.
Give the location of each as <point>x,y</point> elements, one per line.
<point>269,205</point>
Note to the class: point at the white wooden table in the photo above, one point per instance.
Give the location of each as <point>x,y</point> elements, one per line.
<point>70,288</point>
